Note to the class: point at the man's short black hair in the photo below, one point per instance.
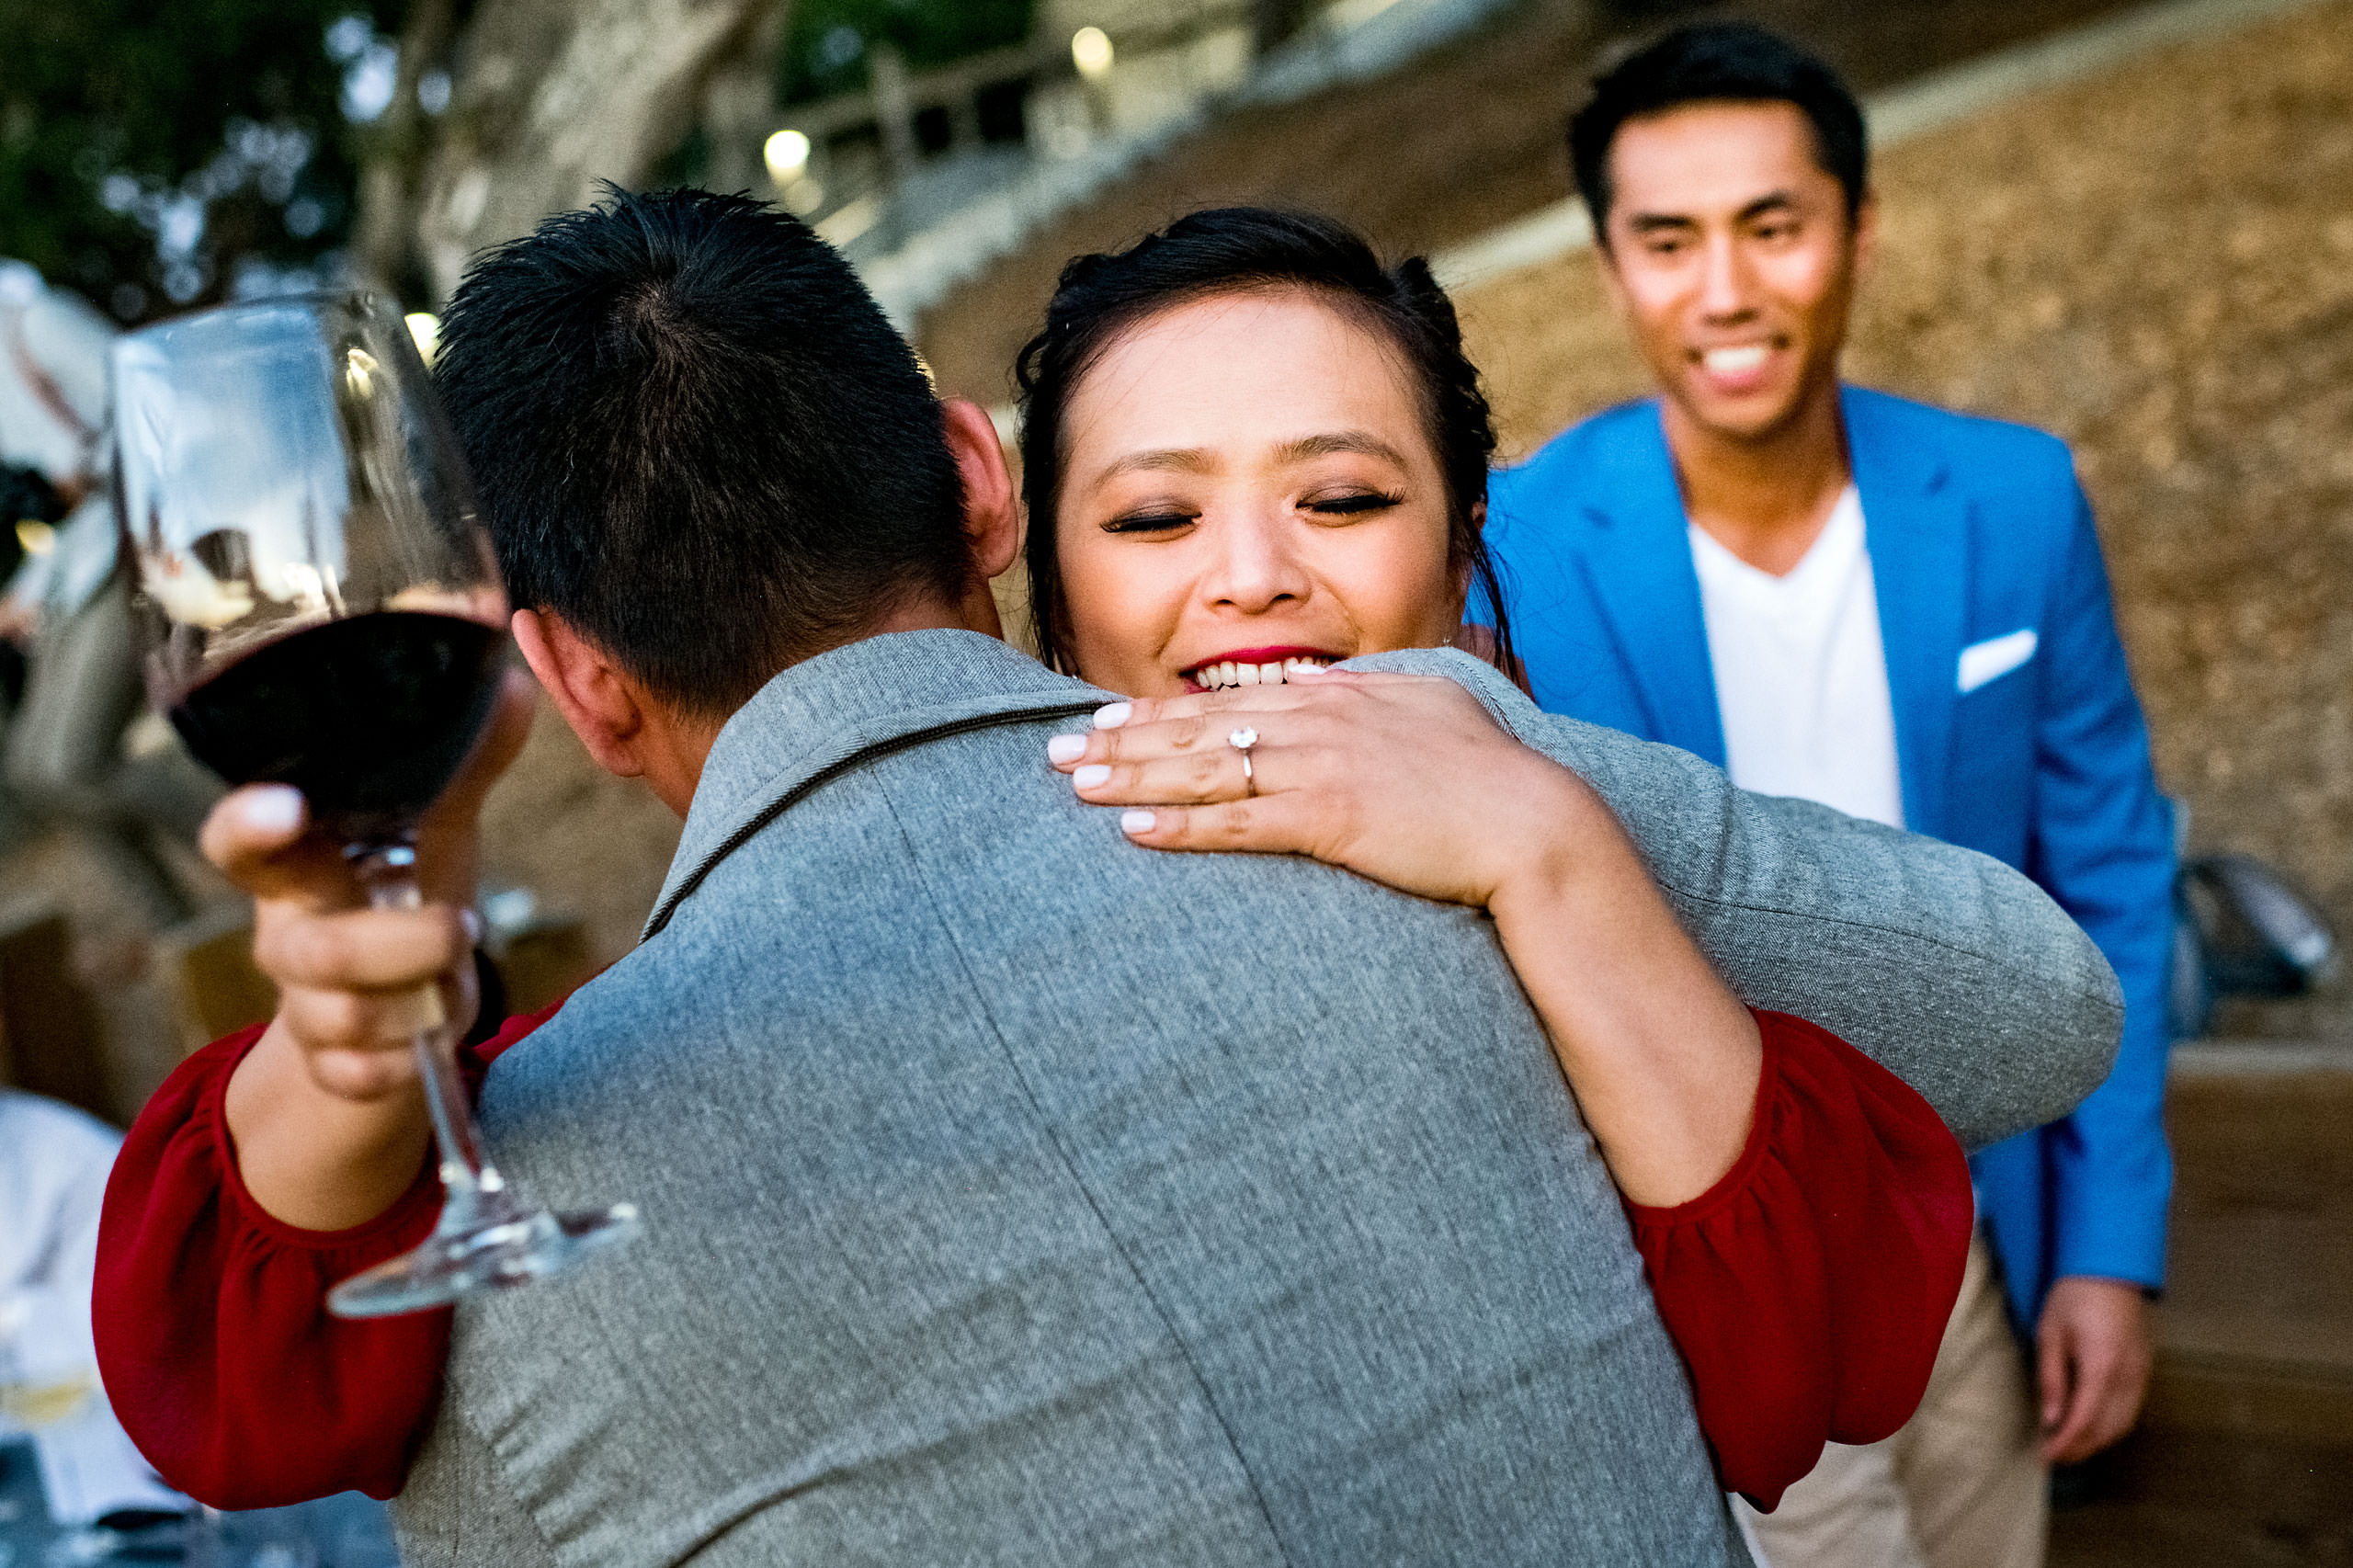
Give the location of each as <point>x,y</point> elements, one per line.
<point>698,440</point>
<point>1719,62</point>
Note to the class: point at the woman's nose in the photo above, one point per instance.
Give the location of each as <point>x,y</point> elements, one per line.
<point>1254,567</point>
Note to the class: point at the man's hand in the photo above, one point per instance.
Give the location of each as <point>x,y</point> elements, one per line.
<point>325,1112</point>
<point>2094,1351</point>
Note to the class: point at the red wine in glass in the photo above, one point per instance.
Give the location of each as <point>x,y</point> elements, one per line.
<point>369,716</point>
<point>321,610</point>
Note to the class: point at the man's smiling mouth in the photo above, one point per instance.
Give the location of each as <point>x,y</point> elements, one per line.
<point>1737,361</point>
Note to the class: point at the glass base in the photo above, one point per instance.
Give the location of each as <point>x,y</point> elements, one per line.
<point>494,1257</point>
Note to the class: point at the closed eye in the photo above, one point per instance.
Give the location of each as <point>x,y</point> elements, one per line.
<point>1150,523</point>
<point>1352,505</point>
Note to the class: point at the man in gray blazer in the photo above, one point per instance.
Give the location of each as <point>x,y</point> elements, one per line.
<point>1014,1195</point>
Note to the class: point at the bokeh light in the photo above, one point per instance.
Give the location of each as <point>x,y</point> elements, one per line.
<point>787,155</point>
<point>1090,50</point>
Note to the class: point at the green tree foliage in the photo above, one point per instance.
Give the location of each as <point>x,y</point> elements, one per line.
<point>824,48</point>
<point>153,151</point>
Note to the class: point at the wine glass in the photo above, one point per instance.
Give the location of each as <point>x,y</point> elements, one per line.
<point>321,610</point>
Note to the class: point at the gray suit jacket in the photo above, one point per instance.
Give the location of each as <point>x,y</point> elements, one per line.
<point>1015,1195</point>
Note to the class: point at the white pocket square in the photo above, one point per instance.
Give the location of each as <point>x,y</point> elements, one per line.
<point>1996,657</point>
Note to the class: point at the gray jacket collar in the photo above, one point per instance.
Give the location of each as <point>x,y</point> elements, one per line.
<point>820,716</point>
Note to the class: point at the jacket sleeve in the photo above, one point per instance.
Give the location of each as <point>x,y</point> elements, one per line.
<point>1948,967</point>
<point>1808,1290</point>
<point>2102,843</point>
<point>214,1337</point>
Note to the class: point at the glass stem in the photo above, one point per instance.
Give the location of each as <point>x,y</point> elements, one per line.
<point>473,1194</point>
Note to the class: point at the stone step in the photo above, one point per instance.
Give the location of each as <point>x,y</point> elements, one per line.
<point>2243,1455</point>
<point>2157,1535</point>
<point>2262,1236</point>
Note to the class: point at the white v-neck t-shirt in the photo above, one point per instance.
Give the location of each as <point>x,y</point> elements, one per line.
<point>1801,673</point>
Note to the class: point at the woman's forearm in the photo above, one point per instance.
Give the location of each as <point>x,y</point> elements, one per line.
<point>315,1160</point>
<point>1663,1058</point>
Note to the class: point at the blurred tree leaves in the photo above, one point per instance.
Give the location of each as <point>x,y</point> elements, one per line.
<point>161,154</point>
<point>151,149</point>
<point>825,49</point>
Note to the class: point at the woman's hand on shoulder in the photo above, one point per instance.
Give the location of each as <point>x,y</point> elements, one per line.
<point>1406,779</point>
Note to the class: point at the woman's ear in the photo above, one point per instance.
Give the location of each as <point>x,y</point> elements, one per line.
<point>992,516</point>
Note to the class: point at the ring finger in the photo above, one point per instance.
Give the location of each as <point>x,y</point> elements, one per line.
<point>1192,778</point>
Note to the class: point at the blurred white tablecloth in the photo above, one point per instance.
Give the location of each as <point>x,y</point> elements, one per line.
<point>53,1166</point>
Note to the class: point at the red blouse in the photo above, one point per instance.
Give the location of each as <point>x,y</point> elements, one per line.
<point>1807,1290</point>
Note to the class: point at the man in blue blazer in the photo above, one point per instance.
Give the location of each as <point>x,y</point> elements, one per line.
<point>1896,610</point>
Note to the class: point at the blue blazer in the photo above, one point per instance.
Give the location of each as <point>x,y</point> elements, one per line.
<point>2016,731</point>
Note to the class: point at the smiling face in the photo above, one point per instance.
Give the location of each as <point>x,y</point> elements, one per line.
<point>1733,256</point>
<point>1248,481</point>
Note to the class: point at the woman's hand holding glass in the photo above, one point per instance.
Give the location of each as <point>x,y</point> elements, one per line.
<point>1409,780</point>
<point>335,1074</point>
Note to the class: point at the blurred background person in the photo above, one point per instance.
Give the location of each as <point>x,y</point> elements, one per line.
<point>1899,612</point>
<point>63,756</point>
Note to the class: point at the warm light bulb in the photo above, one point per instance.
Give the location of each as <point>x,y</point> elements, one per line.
<point>1090,50</point>
<point>426,327</point>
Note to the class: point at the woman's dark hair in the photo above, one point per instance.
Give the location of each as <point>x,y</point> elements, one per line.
<point>1719,62</point>
<point>1230,250</point>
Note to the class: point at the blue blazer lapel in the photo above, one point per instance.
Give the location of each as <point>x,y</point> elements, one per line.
<point>1916,527</point>
<point>1637,561</point>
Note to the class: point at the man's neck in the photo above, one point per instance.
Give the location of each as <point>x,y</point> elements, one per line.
<point>674,760</point>
<point>1764,498</point>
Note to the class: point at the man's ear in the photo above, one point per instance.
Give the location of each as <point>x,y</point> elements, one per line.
<point>602,705</point>
<point>1866,230</point>
<point>992,516</point>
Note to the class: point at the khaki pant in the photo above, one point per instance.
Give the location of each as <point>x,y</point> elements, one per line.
<point>1962,1486</point>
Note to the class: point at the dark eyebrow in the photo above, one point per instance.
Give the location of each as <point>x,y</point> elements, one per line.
<point>1770,202</point>
<point>1339,442</point>
<point>1774,202</point>
<point>1168,460</point>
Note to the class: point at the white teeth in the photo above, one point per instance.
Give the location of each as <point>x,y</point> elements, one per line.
<point>1226,673</point>
<point>1733,361</point>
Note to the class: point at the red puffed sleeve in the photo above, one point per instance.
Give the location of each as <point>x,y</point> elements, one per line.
<point>1808,1289</point>
<point>212,1329</point>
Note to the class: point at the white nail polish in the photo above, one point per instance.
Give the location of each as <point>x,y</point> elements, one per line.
<point>1090,777</point>
<point>1066,748</point>
<point>1111,715</point>
<point>1136,822</point>
<point>273,808</point>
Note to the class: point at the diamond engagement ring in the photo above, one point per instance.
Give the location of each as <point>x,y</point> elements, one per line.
<point>1242,740</point>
